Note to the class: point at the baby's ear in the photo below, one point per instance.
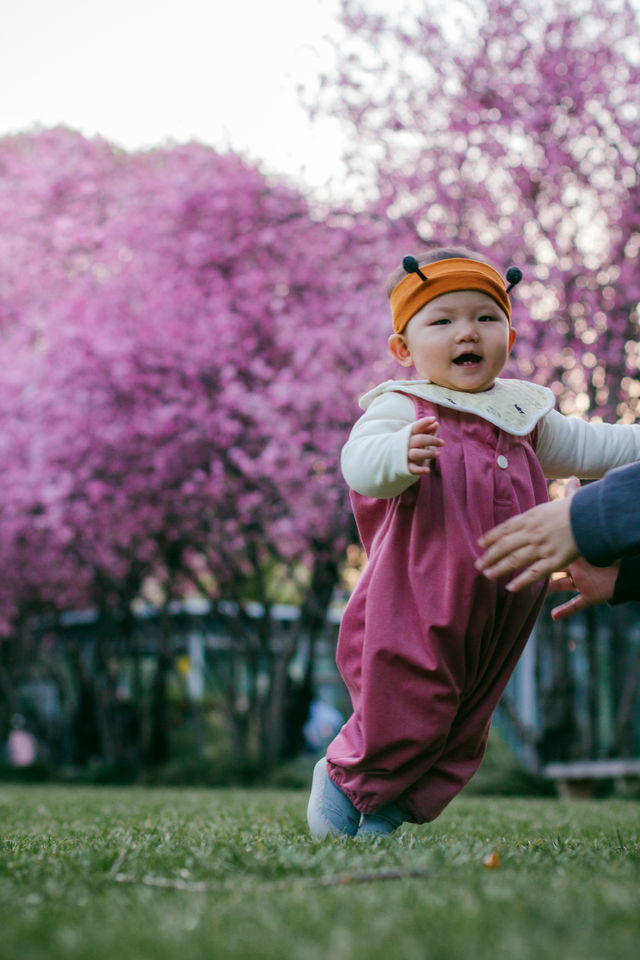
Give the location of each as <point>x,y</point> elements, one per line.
<point>512,338</point>
<point>399,349</point>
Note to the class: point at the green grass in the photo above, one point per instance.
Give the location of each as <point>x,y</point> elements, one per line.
<point>158,873</point>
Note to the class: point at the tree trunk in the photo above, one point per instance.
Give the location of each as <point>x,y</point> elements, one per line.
<point>85,731</point>
<point>590,748</point>
<point>555,695</point>
<point>159,738</point>
<point>272,719</point>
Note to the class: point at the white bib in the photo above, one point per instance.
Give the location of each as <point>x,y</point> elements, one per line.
<point>514,406</point>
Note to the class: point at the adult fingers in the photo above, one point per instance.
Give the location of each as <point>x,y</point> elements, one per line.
<point>509,554</point>
<point>562,584</point>
<point>567,609</point>
<point>532,574</point>
<point>513,530</point>
<point>573,484</point>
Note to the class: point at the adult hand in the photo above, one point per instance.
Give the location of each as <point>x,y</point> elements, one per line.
<point>538,542</point>
<point>423,445</point>
<point>595,585</point>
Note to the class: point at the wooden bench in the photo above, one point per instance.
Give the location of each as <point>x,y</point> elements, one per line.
<point>579,778</point>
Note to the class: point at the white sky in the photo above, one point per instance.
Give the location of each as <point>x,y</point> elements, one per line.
<point>144,72</point>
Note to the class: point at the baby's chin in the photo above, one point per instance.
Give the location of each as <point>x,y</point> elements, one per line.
<point>462,387</point>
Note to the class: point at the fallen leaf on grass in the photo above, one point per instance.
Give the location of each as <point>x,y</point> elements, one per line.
<point>492,860</point>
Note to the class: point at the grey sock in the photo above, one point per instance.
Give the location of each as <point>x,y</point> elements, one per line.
<point>381,823</point>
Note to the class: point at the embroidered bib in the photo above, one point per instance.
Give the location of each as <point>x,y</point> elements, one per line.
<point>514,406</point>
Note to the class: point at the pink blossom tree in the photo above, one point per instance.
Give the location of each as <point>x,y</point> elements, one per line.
<point>180,373</point>
<point>512,126</point>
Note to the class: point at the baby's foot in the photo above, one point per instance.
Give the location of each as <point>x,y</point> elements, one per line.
<point>381,823</point>
<point>329,810</point>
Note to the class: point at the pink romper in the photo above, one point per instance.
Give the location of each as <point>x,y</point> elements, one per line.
<point>427,644</point>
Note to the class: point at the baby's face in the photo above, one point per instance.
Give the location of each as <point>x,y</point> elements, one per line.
<point>459,340</point>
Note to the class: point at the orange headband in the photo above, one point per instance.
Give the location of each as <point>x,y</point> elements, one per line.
<point>445,276</point>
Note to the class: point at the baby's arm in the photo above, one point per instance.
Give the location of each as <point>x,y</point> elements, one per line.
<point>388,449</point>
<point>568,445</point>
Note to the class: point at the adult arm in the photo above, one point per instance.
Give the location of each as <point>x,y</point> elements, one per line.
<point>536,543</point>
<point>605,517</point>
<point>543,539</point>
<point>601,522</point>
<point>627,585</point>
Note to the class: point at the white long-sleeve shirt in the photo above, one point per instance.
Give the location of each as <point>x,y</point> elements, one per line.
<point>375,462</point>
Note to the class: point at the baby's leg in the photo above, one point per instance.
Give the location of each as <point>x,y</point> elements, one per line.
<point>465,745</point>
<point>458,762</point>
<point>329,810</point>
<point>376,762</point>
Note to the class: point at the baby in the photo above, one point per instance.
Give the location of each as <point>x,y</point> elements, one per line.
<point>427,643</point>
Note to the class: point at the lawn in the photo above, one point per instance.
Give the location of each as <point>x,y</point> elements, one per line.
<point>156,873</point>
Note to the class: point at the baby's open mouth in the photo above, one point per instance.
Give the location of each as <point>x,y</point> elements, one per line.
<point>467,359</point>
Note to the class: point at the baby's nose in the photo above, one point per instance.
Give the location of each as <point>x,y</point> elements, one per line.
<point>467,331</point>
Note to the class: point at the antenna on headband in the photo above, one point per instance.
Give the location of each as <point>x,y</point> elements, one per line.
<point>411,265</point>
<point>514,275</point>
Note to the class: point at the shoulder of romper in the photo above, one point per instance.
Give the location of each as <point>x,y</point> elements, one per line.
<point>514,406</point>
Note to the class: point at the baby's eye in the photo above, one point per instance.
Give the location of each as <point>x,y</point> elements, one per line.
<point>440,321</point>
<point>486,316</point>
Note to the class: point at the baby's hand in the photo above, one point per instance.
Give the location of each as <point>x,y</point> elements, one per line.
<point>423,445</point>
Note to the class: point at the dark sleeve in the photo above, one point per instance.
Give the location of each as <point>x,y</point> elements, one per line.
<point>605,516</point>
<point>628,581</point>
